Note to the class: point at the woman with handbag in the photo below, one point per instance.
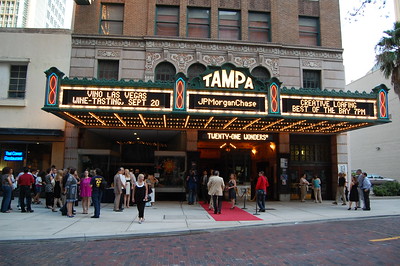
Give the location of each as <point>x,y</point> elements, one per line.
<point>140,193</point>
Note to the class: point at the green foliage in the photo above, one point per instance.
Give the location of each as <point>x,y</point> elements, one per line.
<point>387,189</point>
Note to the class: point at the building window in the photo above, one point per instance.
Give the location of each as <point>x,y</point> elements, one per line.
<point>108,69</point>
<point>309,153</point>
<point>165,72</point>
<point>198,23</point>
<point>309,31</point>
<point>17,86</point>
<point>261,74</point>
<point>259,27</point>
<point>112,19</point>
<point>311,79</point>
<point>167,21</point>
<point>229,25</point>
<point>195,70</point>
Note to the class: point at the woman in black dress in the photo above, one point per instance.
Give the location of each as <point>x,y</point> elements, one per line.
<point>140,193</point>
<point>232,189</point>
<point>353,192</point>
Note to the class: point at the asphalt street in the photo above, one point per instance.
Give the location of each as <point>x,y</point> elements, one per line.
<point>368,241</point>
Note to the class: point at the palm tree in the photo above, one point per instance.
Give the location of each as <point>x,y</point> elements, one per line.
<point>388,56</point>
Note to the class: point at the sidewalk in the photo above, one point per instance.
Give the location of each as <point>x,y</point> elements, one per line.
<point>172,217</point>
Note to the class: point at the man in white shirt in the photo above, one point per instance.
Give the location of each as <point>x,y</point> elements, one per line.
<point>216,187</point>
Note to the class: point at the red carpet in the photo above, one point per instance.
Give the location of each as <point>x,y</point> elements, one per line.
<point>227,214</point>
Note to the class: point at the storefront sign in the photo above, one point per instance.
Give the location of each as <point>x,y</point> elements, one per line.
<point>308,106</point>
<point>212,102</point>
<point>127,98</point>
<point>229,136</point>
<point>13,156</point>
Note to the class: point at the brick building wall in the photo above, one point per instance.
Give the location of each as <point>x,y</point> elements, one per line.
<point>139,17</point>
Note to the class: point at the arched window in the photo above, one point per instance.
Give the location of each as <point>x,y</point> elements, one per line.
<point>195,70</point>
<point>165,72</point>
<point>261,73</point>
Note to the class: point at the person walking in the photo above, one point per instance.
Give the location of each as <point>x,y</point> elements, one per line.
<point>215,189</point>
<point>353,192</point>
<point>366,188</point>
<point>340,189</point>
<point>25,183</point>
<point>98,184</point>
<point>316,184</point>
<point>86,191</point>
<point>118,186</point>
<point>261,190</point>
<point>7,189</point>
<point>232,189</point>
<point>303,187</point>
<point>140,193</point>
<point>57,189</point>
<point>71,191</point>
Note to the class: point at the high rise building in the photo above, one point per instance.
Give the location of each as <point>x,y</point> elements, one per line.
<point>35,13</point>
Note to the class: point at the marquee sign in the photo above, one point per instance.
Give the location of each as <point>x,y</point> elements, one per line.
<point>235,136</point>
<point>328,107</point>
<point>227,103</point>
<point>223,97</point>
<point>127,98</point>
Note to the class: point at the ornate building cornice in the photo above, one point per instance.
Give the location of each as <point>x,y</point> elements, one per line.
<point>190,46</point>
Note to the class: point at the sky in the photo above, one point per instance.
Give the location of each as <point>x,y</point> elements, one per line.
<point>360,37</point>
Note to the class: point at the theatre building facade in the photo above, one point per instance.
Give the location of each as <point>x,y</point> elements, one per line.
<point>240,86</point>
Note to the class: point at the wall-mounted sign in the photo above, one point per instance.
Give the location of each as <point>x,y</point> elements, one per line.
<point>228,103</point>
<point>13,156</point>
<point>325,107</point>
<point>234,136</point>
<point>118,98</point>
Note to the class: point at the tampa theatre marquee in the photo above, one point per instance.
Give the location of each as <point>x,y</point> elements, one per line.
<point>222,99</point>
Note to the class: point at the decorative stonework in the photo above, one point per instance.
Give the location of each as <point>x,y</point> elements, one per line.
<point>150,59</point>
<point>182,60</point>
<point>109,53</point>
<point>214,59</point>
<point>311,63</point>
<point>273,65</point>
<point>245,61</point>
<point>85,42</point>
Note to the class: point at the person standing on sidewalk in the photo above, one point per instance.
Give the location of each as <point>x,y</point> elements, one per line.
<point>71,191</point>
<point>232,189</point>
<point>366,188</point>
<point>86,192</point>
<point>25,183</point>
<point>191,183</point>
<point>340,189</point>
<point>216,187</point>
<point>261,190</point>
<point>98,184</point>
<point>353,192</point>
<point>316,183</point>
<point>360,178</point>
<point>118,186</point>
<point>6,184</point>
<point>303,187</point>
